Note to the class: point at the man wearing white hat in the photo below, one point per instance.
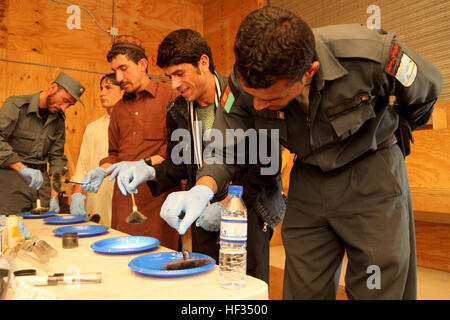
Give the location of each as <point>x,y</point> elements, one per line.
<point>32,134</point>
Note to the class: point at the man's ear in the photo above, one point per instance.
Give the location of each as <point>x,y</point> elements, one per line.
<point>52,88</point>
<point>143,63</point>
<point>313,68</point>
<point>203,63</point>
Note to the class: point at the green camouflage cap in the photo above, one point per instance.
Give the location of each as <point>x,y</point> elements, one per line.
<point>71,85</point>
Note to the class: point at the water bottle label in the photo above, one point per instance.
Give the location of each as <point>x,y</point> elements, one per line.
<point>233,230</point>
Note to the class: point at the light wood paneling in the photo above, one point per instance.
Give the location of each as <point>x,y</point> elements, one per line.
<point>441,116</point>
<point>35,32</point>
<point>40,26</point>
<point>276,278</point>
<point>431,199</point>
<point>3,26</point>
<point>428,164</point>
<point>221,20</point>
<point>433,245</point>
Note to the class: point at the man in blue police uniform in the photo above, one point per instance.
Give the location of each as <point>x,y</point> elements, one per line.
<point>327,93</point>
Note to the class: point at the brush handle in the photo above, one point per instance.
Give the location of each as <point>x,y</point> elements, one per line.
<point>132,197</point>
<point>71,182</point>
<point>38,199</point>
<point>183,248</point>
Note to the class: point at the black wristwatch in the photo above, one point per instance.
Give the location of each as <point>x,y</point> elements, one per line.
<point>148,161</point>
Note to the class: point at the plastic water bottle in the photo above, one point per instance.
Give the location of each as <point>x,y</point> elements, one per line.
<point>12,229</point>
<point>233,241</point>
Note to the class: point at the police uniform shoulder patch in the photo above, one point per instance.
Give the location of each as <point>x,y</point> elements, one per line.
<point>227,99</point>
<point>401,66</point>
<point>407,71</point>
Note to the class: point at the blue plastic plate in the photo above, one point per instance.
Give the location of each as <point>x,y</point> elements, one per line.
<point>152,264</point>
<point>66,219</point>
<point>84,230</point>
<point>125,244</point>
<point>28,215</point>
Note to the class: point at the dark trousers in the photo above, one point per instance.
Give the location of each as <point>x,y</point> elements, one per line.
<point>363,209</point>
<point>258,244</point>
<point>16,196</point>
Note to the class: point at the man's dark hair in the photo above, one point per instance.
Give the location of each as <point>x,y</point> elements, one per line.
<point>272,44</point>
<point>132,54</point>
<point>111,77</point>
<point>183,46</point>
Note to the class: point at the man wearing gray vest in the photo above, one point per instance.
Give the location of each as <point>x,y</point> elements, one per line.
<point>32,134</point>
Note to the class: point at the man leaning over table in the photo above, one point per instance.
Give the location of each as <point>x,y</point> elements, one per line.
<point>94,147</point>
<point>326,91</point>
<point>32,135</point>
<point>136,131</point>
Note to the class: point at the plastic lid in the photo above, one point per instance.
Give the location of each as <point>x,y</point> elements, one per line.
<point>236,190</point>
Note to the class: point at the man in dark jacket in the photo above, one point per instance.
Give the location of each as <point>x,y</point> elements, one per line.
<point>186,59</point>
<point>326,92</point>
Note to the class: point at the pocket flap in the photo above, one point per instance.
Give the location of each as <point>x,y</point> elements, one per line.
<point>23,134</point>
<point>350,117</point>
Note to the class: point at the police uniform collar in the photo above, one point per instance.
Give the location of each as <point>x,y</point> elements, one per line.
<point>34,103</point>
<point>330,68</point>
<point>33,107</point>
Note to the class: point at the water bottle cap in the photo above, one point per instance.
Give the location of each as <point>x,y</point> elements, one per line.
<point>237,190</point>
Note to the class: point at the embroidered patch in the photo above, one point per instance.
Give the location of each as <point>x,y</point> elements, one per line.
<point>227,99</point>
<point>392,58</point>
<point>407,71</point>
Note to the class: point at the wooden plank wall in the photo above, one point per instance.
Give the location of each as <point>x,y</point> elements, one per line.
<point>221,22</point>
<point>35,31</point>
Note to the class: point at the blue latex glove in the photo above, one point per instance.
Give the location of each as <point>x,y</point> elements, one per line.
<point>32,175</point>
<point>93,179</point>
<point>118,167</point>
<point>191,202</point>
<point>129,178</point>
<point>210,217</point>
<point>54,205</point>
<point>22,227</point>
<point>77,204</point>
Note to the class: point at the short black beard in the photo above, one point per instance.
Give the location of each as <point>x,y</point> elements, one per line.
<point>48,102</point>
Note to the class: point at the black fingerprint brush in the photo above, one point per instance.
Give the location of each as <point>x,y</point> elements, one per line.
<point>186,262</point>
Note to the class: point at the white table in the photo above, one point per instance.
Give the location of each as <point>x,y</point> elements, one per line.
<point>120,282</point>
